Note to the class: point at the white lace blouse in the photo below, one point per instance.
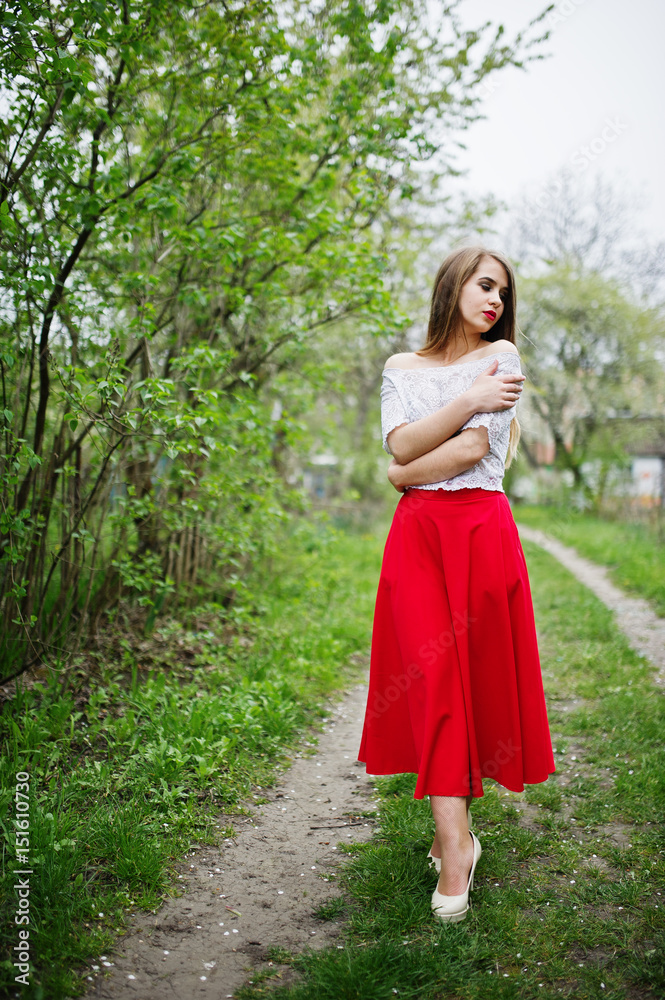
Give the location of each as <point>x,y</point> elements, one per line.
<point>407,394</point>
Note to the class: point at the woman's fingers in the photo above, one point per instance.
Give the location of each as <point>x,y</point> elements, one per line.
<point>497,392</point>
<point>512,384</point>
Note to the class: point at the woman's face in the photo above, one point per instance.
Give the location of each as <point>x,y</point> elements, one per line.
<point>482,297</point>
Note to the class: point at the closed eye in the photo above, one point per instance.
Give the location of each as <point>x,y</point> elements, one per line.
<point>502,295</point>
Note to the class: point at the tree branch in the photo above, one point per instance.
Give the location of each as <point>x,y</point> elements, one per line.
<point>12,178</point>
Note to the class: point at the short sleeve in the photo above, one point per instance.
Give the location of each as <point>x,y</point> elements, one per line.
<point>393,410</point>
<point>498,423</point>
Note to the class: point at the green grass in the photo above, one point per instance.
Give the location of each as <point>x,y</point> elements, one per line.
<point>570,894</point>
<point>129,770</point>
<point>633,553</point>
<point>130,767</point>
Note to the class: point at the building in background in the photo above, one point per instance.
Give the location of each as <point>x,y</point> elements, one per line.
<point>320,476</point>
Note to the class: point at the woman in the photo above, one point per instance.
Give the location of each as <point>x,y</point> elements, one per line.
<point>455,692</point>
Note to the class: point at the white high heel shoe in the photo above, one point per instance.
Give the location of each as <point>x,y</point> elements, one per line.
<point>436,862</point>
<point>454,908</point>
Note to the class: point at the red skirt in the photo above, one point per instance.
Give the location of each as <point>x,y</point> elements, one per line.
<point>455,688</point>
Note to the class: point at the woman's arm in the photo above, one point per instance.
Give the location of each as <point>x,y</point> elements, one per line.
<point>443,462</point>
<point>488,393</point>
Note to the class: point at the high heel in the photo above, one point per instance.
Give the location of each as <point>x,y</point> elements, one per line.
<point>436,862</point>
<point>452,909</point>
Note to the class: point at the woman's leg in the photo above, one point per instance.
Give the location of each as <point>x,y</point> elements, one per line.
<point>452,842</point>
<point>435,849</point>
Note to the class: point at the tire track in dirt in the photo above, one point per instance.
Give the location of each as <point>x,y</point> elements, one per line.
<point>259,889</point>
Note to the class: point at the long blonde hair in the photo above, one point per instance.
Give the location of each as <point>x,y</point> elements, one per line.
<point>445,318</point>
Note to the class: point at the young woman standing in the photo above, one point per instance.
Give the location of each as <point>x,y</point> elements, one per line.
<point>455,692</point>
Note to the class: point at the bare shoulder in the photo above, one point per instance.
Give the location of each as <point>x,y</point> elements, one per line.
<point>503,346</point>
<point>405,360</point>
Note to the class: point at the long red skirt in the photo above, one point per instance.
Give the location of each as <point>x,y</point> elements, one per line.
<point>455,689</point>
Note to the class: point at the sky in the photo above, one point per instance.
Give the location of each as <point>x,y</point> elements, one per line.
<point>594,105</point>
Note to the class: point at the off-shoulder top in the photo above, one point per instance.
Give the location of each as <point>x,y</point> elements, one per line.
<point>408,394</point>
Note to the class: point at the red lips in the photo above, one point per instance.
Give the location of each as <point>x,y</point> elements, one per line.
<point>489,314</point>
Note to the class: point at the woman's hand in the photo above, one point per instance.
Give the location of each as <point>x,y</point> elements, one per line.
<point>446,461</point>
<point>394,470</point>
<point>491,392</point>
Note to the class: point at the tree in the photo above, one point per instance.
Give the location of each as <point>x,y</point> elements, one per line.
<point>589,225</point>
<point>591,357</point>
<point>190,194</point>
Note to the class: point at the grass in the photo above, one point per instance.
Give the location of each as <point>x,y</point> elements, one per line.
<point>157,751</point>
<point>633,553</point>
<point>570,889</point>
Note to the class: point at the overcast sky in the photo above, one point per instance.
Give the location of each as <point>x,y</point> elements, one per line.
<point>601,87</point>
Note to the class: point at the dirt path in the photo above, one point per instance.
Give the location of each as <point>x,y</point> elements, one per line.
<point>643,628</point>
<point>259,889</point>
<point>646,633</point>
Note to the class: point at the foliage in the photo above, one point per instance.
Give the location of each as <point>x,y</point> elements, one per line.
<point>134,762</point>
<point>591,356</point>
<point>190,195</point>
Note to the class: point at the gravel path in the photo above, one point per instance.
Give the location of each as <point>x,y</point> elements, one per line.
<point>643,628</point>
<point>260,889</point>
